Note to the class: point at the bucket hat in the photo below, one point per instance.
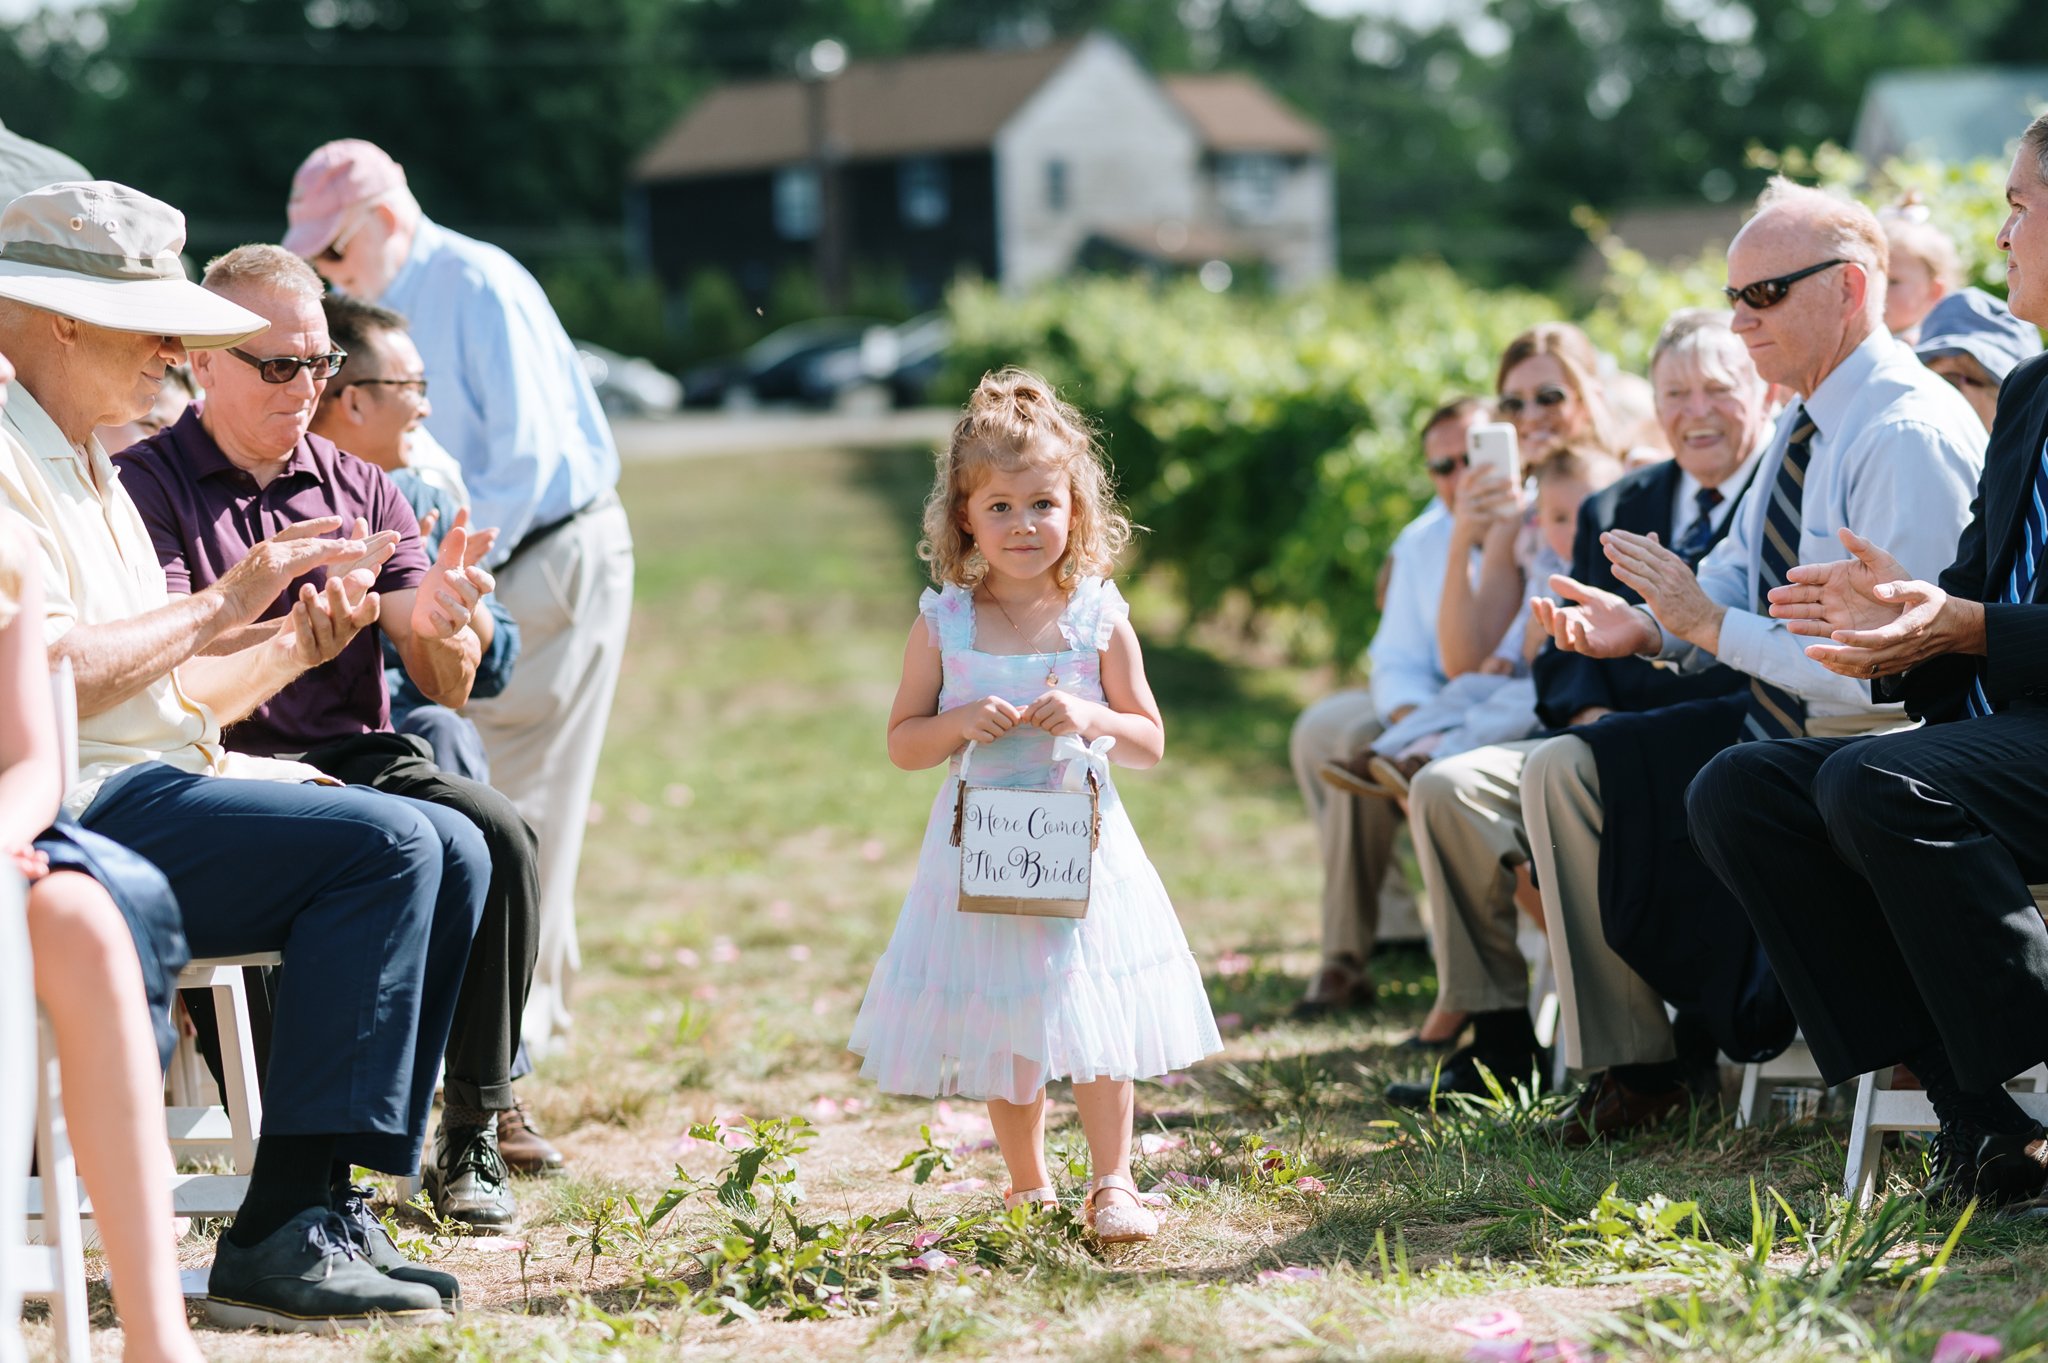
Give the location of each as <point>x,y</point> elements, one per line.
<point>1972,322</point>
<point>109,255</point>
<point>333,187</point>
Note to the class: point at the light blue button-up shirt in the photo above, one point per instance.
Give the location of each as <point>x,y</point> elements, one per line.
<point>1896,457</point>
<point>511,400</point>
<point>1407,669</point>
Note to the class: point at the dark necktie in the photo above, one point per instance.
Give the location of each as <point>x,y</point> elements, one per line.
<point>2026,565</point>
<point>1774,713</point>
<point>1693,544</point>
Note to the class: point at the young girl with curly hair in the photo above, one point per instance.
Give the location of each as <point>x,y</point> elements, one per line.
<point>1026,643</point>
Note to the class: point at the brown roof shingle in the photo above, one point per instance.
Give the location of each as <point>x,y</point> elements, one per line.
<point>1235,113</point>
<point>952,101</point>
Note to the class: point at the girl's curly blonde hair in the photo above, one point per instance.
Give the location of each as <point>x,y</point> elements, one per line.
<point>1014,421</point>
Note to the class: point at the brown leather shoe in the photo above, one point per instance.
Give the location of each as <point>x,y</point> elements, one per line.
<point>1353,776</point>
<point>1608,1108</point>
<point>524,1149</point>
<point>1342,985</point>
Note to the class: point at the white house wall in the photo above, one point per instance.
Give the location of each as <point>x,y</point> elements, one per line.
<point>1131,159</point>
<point>1297,237</point>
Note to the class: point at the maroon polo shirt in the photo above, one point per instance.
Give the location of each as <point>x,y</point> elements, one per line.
<point>203,515</point>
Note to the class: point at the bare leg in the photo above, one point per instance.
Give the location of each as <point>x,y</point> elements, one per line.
<point>1106,1106</point>
<point>1442,1024</point>
<point>1020,1135</point>
<point>1527,897</point>
<point>90,984</point>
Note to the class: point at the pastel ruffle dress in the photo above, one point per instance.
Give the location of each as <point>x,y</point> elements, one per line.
<point>994,1005</point>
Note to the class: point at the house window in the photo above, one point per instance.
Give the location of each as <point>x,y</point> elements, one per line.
<point>1056,186</point>
<point>1248,184</point>
<point>796,203</point>
<point>922,194</point>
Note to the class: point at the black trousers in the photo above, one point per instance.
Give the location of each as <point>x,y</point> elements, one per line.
<point>1887,877</point>
<point>485,1035</point>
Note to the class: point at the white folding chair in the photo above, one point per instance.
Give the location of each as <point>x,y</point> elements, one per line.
<point>1881,1108</point>
<point>1796,1065</point>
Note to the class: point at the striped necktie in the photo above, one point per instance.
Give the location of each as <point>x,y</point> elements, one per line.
<point>1692,546</point>
<point>1774,713</point>
<point>2026,566</point>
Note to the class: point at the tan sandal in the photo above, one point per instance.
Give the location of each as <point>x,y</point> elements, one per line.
<point>1118,1225</point>
<point>1038,1197</point>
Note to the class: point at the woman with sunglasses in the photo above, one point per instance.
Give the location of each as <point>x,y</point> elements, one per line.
<point>1549,386</point>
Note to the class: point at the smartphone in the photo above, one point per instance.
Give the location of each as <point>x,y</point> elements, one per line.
<point>1492,445</point>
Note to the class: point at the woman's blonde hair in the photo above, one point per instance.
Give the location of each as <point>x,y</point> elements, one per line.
<point>1575,354</point>
<point>1014,421</point>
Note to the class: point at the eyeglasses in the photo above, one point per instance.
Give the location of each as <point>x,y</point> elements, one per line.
<point>1513,405</point>
<point>1768,293</point>
<point>418,387</point>
<point>285,368</point>
<point>1444,468</point>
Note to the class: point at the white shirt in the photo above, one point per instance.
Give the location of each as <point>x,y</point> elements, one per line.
<point>1896,457</point>
<point>1407,668</point>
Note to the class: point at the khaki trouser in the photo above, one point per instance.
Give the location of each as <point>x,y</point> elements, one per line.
<point>1356,834</point>
<point>1608,1014</point>
<point>572,595</point>
<point>1465,814</point>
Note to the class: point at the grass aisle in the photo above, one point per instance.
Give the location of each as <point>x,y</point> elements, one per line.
<point>740,879</point>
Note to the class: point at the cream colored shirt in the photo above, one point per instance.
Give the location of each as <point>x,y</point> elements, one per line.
<point>98,567</point>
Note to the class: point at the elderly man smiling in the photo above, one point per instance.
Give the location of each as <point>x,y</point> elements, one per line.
<point>370,898</point>
<point>243,465</point>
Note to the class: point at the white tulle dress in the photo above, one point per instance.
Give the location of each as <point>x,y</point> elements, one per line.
<point>992,1005</point>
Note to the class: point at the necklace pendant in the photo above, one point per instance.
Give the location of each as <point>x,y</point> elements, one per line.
<point>1052,678</point>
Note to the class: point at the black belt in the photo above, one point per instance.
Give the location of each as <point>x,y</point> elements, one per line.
<point>541,532</point>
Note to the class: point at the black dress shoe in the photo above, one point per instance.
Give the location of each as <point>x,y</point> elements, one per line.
<point>468,1180</point>
<point>1461,1074</point>
<point>1952,1166</point>
<point>2012,1168</point>
<point>1341,986</point>
<point>373,1243</point>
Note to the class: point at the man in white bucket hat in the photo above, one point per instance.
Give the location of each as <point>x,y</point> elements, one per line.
<point>371,900</point>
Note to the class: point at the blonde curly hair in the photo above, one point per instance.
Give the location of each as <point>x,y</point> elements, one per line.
<point>1014,420</point>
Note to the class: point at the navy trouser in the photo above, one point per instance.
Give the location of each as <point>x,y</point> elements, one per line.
<point>1887,877</point>
<point>371,898</point>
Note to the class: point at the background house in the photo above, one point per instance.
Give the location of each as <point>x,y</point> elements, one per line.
<point>1009,165</point>
<point>1954,114</point>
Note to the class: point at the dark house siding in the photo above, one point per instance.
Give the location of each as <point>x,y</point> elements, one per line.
<point>727,222</point>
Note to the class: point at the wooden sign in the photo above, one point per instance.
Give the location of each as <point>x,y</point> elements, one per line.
<point>1025,851</point>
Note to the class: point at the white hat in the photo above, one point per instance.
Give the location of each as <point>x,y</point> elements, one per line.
<point>108,255</point>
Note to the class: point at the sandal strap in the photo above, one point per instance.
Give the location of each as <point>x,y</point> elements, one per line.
<point>1012,1198</point>
<point>1117,1181</point>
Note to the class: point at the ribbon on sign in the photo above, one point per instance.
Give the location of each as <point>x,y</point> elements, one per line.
<point>1083,760</point>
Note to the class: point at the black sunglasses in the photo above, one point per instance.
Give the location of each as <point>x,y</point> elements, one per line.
<point>1444,468</point>
<point>1768,293</point>
<point>418,386</point>
<point>1549,395</point>
<point>285,368</point>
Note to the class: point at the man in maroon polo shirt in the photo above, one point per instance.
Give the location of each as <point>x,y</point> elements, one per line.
<point>225,477</point>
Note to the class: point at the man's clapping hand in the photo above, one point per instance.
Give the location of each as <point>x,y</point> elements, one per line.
<point>322,622</point>
<point>1600,625</point>
<point>1879,621</point>
<point>456,583</point>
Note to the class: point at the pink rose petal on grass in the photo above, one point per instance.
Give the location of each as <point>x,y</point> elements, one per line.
<point>687,958</point>
<point>872,850</point>
<point>1157,1142</point>
<point>1177,1179</point>
<point>723,952</point>
<point>1501,1351</point>
<point>781,912</point>
<point>1230,1022</point>
<point>1233,963</point>
<point>1293,1273</point>
<point>1493,1325</point>
<point>965,1185</point>
<point>1172,1081</point>
<point>925,1239</point>
<point>933,1261</point>
<point>1314,1187</point>
<point>1960,1346</point>
<point>799,952</point>
<point>496,1244</point>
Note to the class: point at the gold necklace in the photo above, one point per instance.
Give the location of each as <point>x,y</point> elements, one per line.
<point>1052,676</point>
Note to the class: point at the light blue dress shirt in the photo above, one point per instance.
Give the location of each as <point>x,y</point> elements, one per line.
<point>1407,669</point>
<point>511,400</point>
<point>1896,458</point>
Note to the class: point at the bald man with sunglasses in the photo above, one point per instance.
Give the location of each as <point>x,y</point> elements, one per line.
<point>1871,438</point>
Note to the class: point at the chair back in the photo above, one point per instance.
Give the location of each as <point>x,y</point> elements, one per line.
<point>64,699</point>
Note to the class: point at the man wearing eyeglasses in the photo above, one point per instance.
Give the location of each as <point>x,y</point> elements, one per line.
<point>514,406</point>
<point>1872,438</point>
<point>243,463</point>
<point>1900,915</point>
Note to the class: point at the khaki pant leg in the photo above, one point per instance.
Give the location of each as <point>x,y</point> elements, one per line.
<point>1609,1015</point>
<point>1465,815</point>
<point>1356,835</point>
<point>572,595</point>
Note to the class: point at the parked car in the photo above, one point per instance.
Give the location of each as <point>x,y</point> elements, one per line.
<point>627,385</point>
<point>903,360</point>
<point>771,369</point>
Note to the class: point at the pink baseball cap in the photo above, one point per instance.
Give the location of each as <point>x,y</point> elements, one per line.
<point>332,184</point>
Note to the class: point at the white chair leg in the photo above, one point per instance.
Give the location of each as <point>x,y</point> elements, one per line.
<point>1866,1143</point>
<point>238,1066</point>
<point>1745,1106</point>
<point>62,1229</point>
<point>20,1078</point>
